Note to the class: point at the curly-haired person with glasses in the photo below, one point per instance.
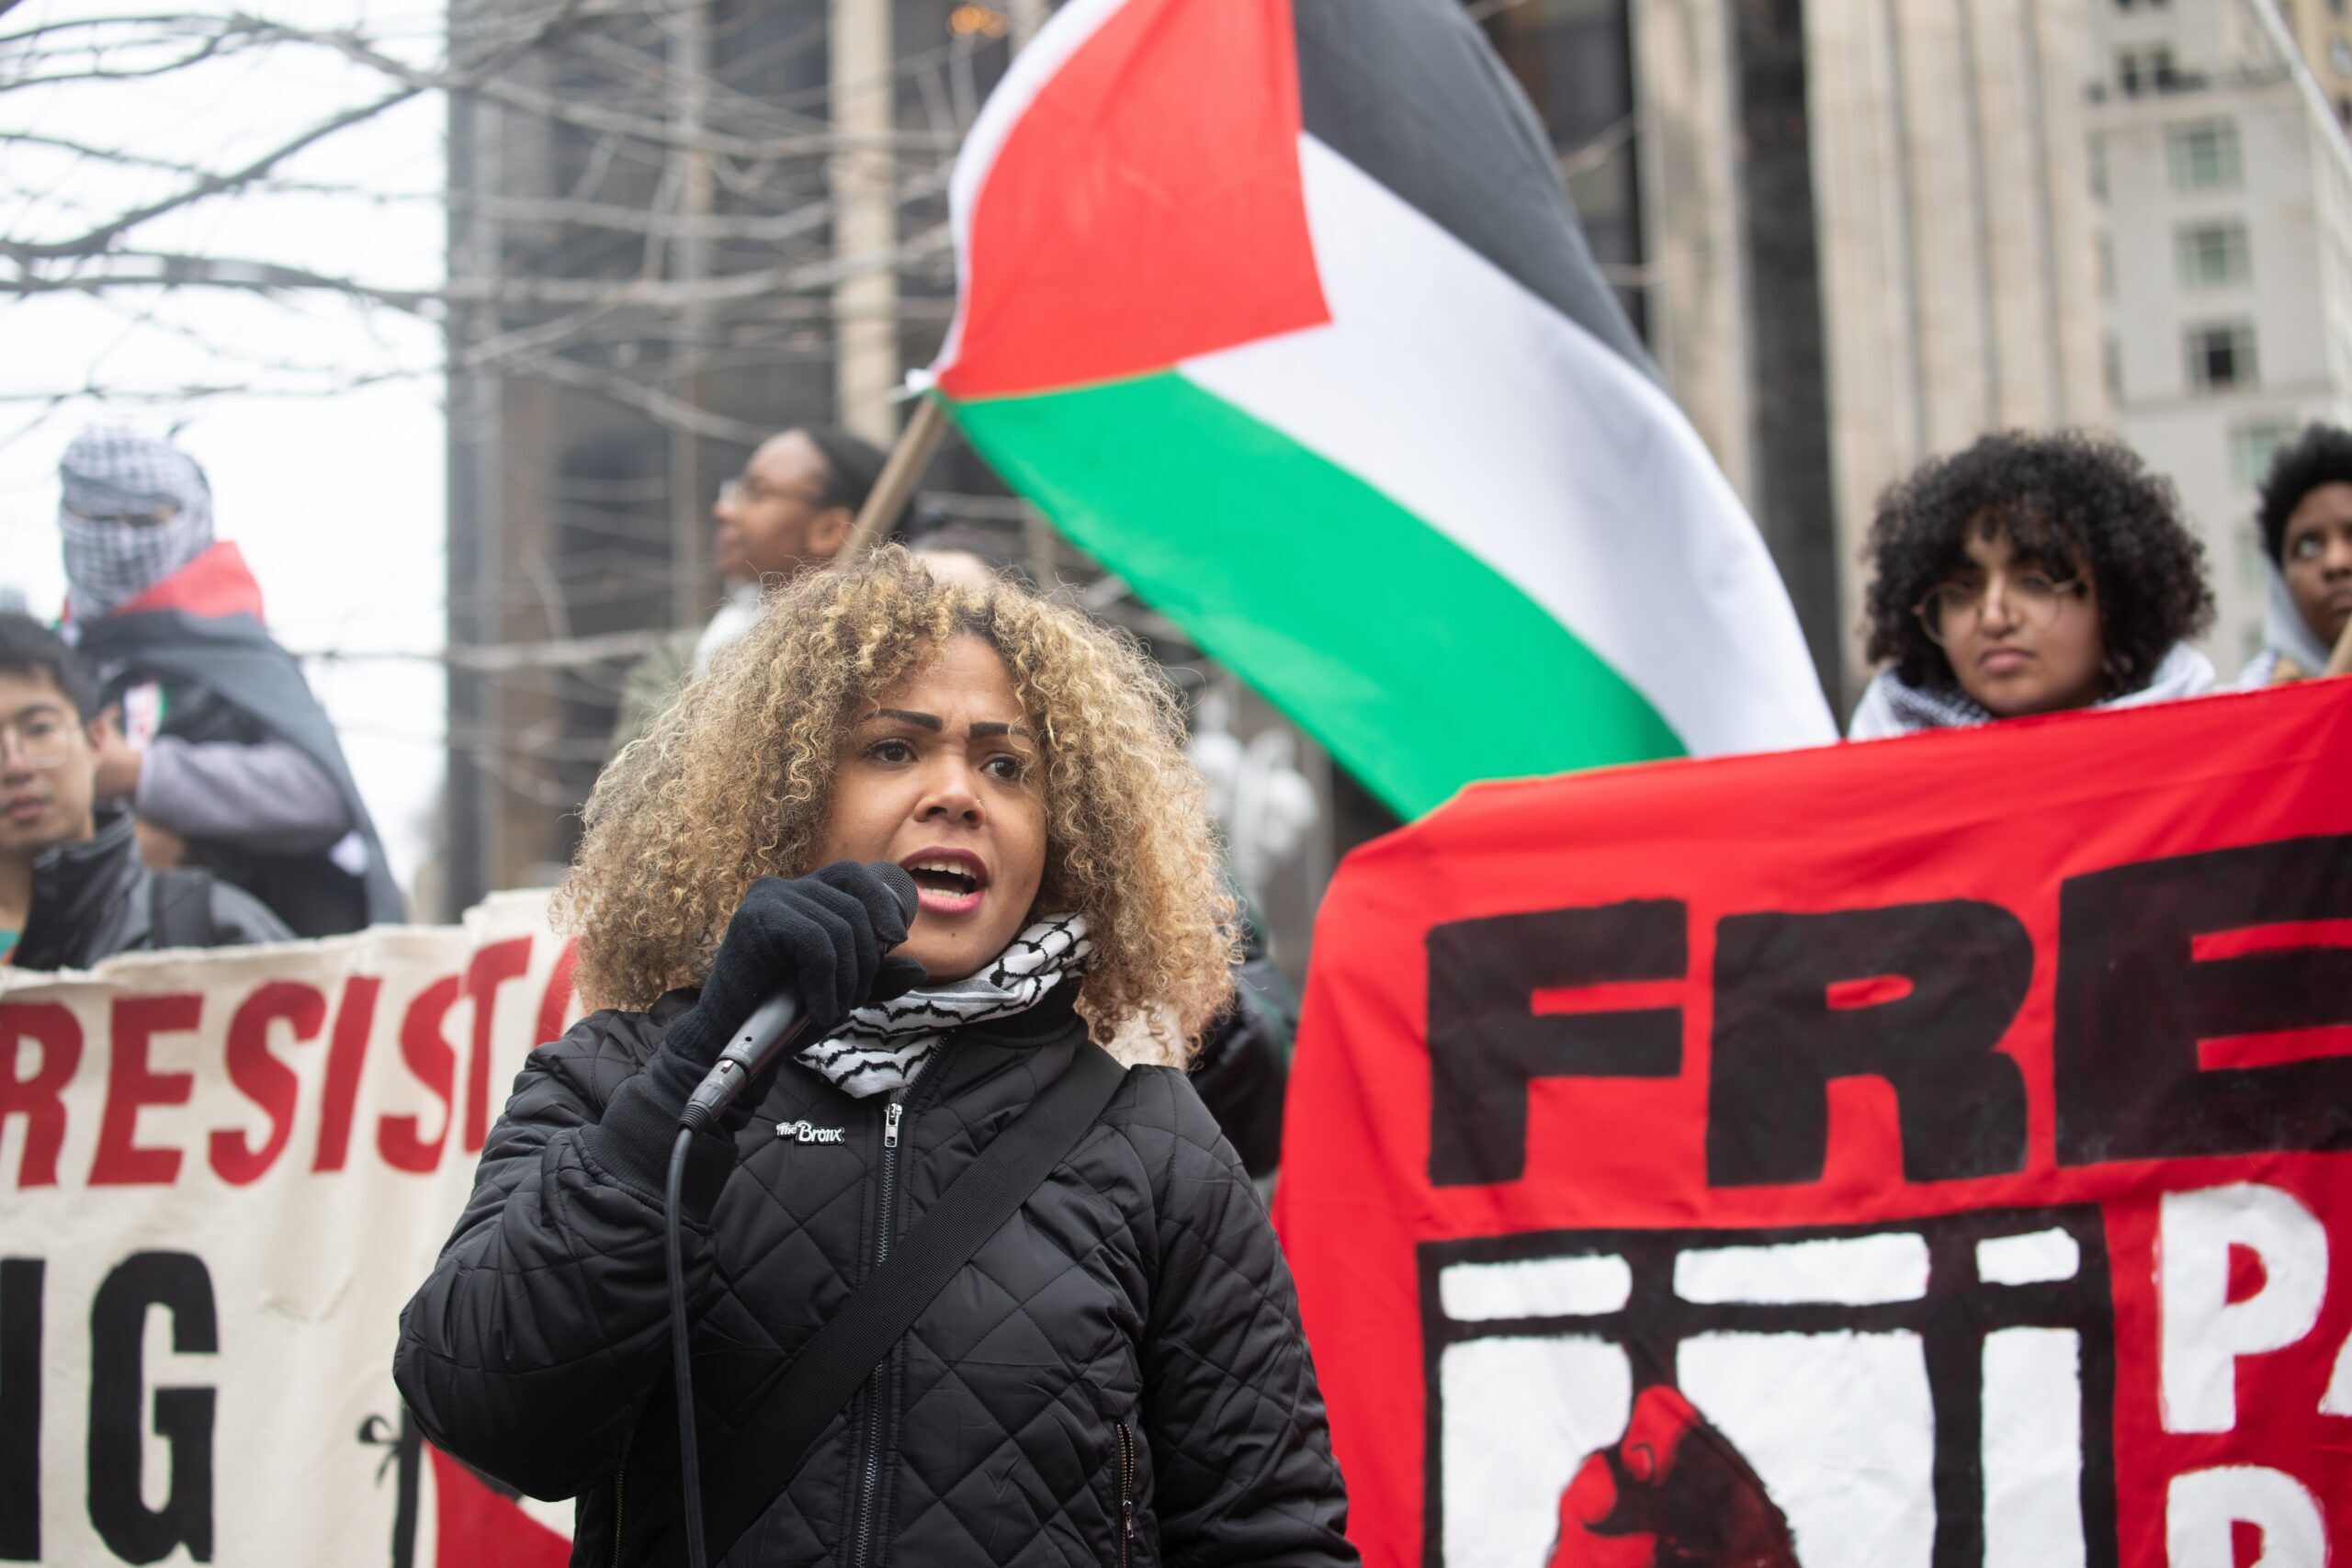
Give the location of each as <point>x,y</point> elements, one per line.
<point>2031,573</point>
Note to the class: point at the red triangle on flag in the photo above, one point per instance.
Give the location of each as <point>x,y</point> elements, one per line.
<point>479,1528</point>
<point>1145,205</point>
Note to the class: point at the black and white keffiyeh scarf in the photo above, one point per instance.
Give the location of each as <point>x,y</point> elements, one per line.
<point>882,1047</point>
<point>110,472</point>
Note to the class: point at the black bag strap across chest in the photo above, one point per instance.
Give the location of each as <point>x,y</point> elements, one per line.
<point>840,1357</point>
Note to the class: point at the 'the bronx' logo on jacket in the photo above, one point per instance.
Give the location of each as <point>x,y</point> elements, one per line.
<point>808,1132</point>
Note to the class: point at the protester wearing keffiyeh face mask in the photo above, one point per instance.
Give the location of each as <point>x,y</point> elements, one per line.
<point>216,740</point>
<point>134,511</point>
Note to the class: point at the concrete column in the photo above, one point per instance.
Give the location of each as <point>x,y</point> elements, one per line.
<point>692,481</point>
<point>1948,160</point>
<point>1732,265</point>
<point>470,802</point>
<point>1685,102</point>
<point>2059,39</point>
<point>866,303</point>
<point>1940,139</point>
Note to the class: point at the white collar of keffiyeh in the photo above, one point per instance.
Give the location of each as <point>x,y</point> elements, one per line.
<point>1889,706</point>
<point>881,1048</point>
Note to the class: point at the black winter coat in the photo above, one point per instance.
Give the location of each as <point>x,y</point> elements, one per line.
<point>1243,1070</point>
<point>94,899</point>
<point>1127,1345</point>
<point>229,682</point>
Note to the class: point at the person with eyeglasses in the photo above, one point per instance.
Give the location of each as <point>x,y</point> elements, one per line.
<point>73,888</point>
<point>789,512</point>
<point>2306,521</point>
<point>2030,574</point>
<point>221,750</point>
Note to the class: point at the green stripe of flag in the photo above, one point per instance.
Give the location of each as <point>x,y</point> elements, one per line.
<point>1171,485</point>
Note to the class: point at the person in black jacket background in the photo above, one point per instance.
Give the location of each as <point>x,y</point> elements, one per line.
<point>1118,1374</point>
<point>73,888</point>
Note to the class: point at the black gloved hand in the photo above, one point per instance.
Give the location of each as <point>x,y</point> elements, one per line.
<point>819,936</point>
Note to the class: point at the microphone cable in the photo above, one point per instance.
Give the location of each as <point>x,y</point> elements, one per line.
<point>682,1368</point>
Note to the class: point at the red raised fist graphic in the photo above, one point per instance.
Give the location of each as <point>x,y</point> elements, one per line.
<point>1672,1494</point>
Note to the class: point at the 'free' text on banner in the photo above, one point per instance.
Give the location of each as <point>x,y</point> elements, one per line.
<point>1934,1150</point>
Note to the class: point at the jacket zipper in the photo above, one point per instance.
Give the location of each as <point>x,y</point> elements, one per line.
<point>1126,1436</point>
<point>620,1476</point>
<point>870,1483</point>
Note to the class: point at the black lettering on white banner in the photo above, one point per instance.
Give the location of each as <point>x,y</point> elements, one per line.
<point>177,1282</point>
<point>21,1311</point>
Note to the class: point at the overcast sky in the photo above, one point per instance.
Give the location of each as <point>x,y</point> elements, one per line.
<point>334,495</point>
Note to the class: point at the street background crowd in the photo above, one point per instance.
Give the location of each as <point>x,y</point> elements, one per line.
<point>628,232</point>
<point>1921,464</point>
<point>167,778</point>
<point>671,449</point>
<point>208,752</point>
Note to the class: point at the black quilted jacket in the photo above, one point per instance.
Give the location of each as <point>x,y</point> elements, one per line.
<point>1126,1348</point>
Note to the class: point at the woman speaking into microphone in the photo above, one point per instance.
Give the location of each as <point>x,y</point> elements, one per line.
<point>957,1288</point>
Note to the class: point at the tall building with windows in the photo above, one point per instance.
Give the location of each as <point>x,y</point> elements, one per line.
<point>1854,234</point>
<point>2323,32</point>
<point>1865,244</point>
<point>2224,184</point>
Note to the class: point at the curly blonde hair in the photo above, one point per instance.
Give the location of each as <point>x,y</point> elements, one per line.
<point>734,783</point>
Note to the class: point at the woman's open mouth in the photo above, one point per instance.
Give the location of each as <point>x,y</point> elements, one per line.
<point>949,882</point>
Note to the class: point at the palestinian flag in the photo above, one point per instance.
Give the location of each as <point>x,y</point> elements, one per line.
<point>1279,308</point>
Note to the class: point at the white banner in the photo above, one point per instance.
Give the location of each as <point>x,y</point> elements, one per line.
<point>226,1173</point>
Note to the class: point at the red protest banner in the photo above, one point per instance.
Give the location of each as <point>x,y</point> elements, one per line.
<point>1934,1150</point>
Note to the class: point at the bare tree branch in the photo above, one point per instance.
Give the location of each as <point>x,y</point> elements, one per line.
<point>549,653</point>
<point>119,270</point>
<point>98,239</point>
<point>123,159</point>
<point>673,412</point>
<point>209,49</point>
<point>590,116</point>
<point>616,282</point>
<point>161,21</point>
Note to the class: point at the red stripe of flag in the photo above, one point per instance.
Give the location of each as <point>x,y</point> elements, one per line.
<point>1146,206</point>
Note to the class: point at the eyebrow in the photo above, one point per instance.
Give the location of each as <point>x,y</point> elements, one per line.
<point>920,720</point>
<point>931,721</point>
<point>42,709</point>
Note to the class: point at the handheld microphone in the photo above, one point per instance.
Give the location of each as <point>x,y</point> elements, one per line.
<point>774,1024</point>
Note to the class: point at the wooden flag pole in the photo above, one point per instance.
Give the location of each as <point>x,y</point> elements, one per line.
<point>896,485</point>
